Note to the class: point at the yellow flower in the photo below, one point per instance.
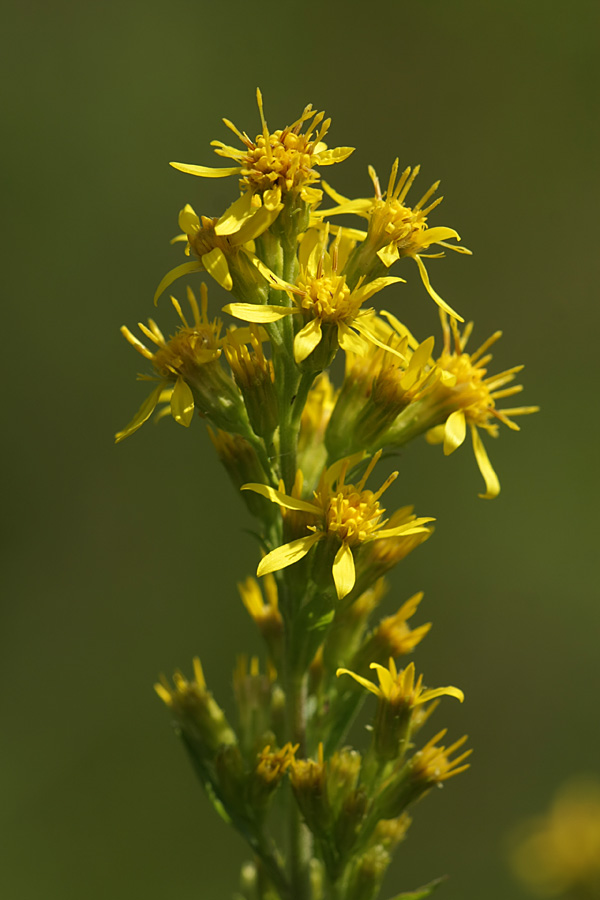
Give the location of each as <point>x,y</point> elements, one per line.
<point>433,764</point>
<point>324,300</point>
<point>272,764</point>
<point>398,688</point>
<point>379,386</point>
<point>217,242</point>
<point>394,632</point>
<point>197,713</point>
<point>176,359</point>
<point>281,161</point>
<point>308,775</point>
<point>396,230</point>
<point>346,513</point>
<point>190,359</point>
<point>255,376</point>
<point>182,689</point>
<point>264,610</point>
<point>472,398</point>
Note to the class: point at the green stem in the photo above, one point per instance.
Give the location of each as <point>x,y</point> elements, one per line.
<point>290,427</point>
<point>271,863</point>
<point>304,387</point>
<point>300,837</point>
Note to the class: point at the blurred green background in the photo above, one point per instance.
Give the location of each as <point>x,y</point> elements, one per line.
<point>120,562</point>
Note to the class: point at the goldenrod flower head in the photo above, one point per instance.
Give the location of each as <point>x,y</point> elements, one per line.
<point>559,852</point>
<point>196,711</point>
<point>399,688</point>
<point>183,691</point>
<point>264,609</point>
<point>395,633</point>
<point>241,461</point>
<point>472,396</point>
<point>217,242</point>
<point>344,771</point>
<point>255,376</point>
<point>308,775</point>
<point>368,872</point>
<point>324,300</point>
<point>247,669</point>
<point>253,691</point>
<point>249,364</point>
<point>396,230</point>
<point>348,514</point>
<point>392,637</point>
<point>273,764</point>
<point>178,359</point>
<point>261,606</point>
<point>380,556</point>
<point>389,832</point>
<point>281,161</point>
<point>432,764</point>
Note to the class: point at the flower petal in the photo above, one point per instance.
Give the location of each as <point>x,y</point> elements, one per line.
<point>386,680</point>
<point>215,264</point>
<point>235,216</point>
<point>441,692</point>
<point>333,193</point>
<point>455,431</point>
<point>329,157</point>
<point>351,342</point>
<point>174,274</point>
<point>287,554</point>
<point>436,434</point>
<point>142,415</point>
<point>333,472</point>
<point>274,280</point>
<point>414,527</point>
<point>257,223</point>
<point>364,682</point>
<point>433,294</point>
<point>182,402</point>
<point>205,171</point>
<point>492,485</point>
<point>437,234</point>
<point>307,339</point>
<point>388,254</point>
<point>360,324</point>
<point>188,220</point>
<point>366,291</point>
<point>254,312</point>
<point>282,499</point>
<point>344,574</point>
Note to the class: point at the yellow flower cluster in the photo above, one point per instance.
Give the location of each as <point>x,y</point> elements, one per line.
<point>301,448</point>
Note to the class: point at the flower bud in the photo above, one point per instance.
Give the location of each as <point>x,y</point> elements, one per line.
<point>368,874</point>
<point>196,713</point>
<point>255,376</point>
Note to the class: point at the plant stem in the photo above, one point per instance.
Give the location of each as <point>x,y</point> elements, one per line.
<point>300,837</point>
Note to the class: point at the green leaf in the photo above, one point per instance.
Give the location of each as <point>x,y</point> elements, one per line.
<point>323,622</point>
<point>421,892</point>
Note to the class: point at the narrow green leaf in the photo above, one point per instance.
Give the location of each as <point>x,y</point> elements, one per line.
<point>421,892</point>
<point>323,622</point>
